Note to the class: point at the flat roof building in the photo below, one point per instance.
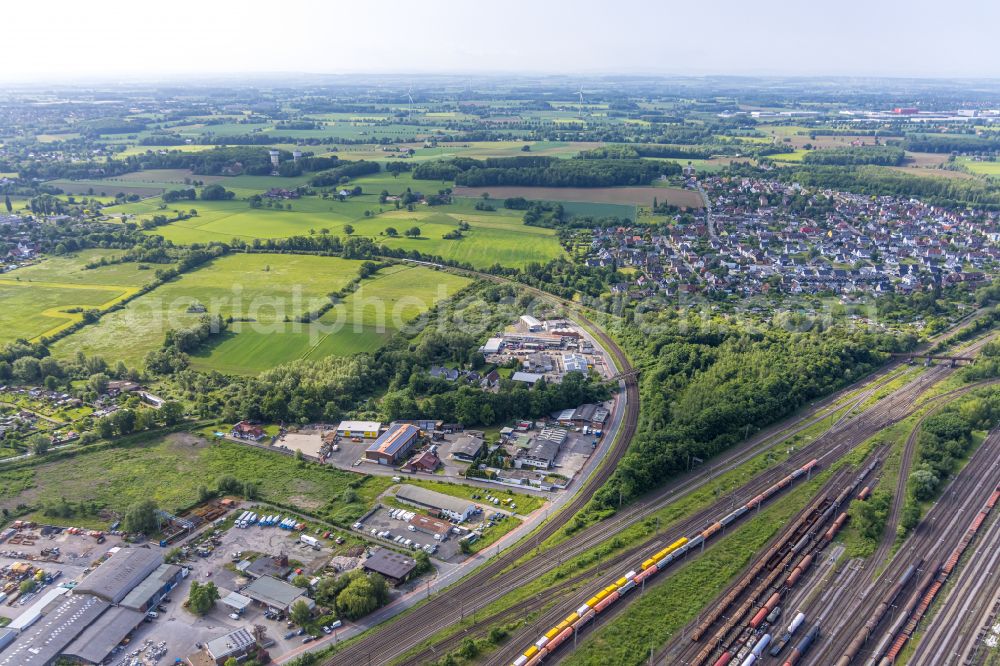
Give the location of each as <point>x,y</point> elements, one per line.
<point>394,566</point>
<point>237,644</point>
<point>467,447</point>
<point>526,377</point>
<point>541,454</point>
<point>455,508</point>
<point>575,363</point>
<point>120,573</point>
<point>394,444</point>
<point>148,593</point>
<point>42,644</point>
<point>97,641</point>
<point>275,593</point>
<point>367,429</point>
<point>492,346</point>
<point>430,525</point>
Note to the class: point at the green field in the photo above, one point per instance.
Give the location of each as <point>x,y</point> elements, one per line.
<point>795,156</point>
<point>363,322</point>
<point>169,470</point>
<point>494,237</point>
<point>984,168</point>
<point>71,268</point>
<point>263,287</point>
<point>37,299</point>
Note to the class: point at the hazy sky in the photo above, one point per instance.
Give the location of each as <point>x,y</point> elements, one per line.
<point>66,41</point>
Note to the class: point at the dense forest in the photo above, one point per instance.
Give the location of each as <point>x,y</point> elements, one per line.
<point>705,391</point>
<point>545,172</point>
<point>881,155</point>
<point>927,143</point>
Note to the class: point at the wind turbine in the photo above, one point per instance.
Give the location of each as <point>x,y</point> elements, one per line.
<point>410,97</point>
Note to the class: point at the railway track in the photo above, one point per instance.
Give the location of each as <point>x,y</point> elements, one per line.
<point>498,576</point>
<point>953,635</point>
<point>906,461</point>
<point>836,442</point>
<point>942,529</point>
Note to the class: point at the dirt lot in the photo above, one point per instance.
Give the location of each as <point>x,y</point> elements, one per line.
<point>620,195</point>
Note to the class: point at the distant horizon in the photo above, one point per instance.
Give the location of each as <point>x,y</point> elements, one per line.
<point>173,78</point>
<point>115,39</point>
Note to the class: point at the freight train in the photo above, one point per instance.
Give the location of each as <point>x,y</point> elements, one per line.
<point>575,621</point>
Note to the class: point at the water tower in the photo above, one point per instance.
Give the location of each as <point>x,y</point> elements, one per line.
<point>274,159</point>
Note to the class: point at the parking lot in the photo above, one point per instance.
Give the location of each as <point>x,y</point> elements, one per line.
<point>382,521</point>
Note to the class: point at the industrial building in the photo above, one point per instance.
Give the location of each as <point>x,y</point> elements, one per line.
<point>150,591</point>
<point>368,429</point>
<point>86,623</point>
<point>528,378</point>
<point>467,446</point>
<point>530,324</point>
<point>100,638</point>
<point>575,363</point>
<point>430,525</point>
<point>394,444</point>
<point>395,567</point>
<point>47,639</point>
<point>236,644</point>
<point>492,346</point>
<point>541,453</point>
<point>455,508</point>
<point>120,574</point>
<point>276,594</point>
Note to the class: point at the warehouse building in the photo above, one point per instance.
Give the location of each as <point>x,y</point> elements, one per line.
<point>540,454</point>
<point>467,447</point>
<point>429,525</point>
<point>394,444</point>
<point>236,645</point>
<point>367,429</point>
<point>149,592</point>
<point>46,640</point>
<point>492,346</point>
<point>84,625</point>
<point>575,363</point>
<point>276,594</point>
<point>120,574</point>
<point>395,567</point>
<point>530,324</point>
<point>455,508</point>
<point>97,641</point>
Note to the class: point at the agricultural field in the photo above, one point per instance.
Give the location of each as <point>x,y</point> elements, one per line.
<point>984,168</point>
<point>492,238</point>
<point>263,287</point>
<point>474,149</point>
<point>42,299</point>
<point>169,471</point>
<point>363,322</point>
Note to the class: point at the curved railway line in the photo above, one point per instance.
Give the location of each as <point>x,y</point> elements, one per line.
<point>497,577</point>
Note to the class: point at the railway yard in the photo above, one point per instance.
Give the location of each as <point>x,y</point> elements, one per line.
<point>784,576</point>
